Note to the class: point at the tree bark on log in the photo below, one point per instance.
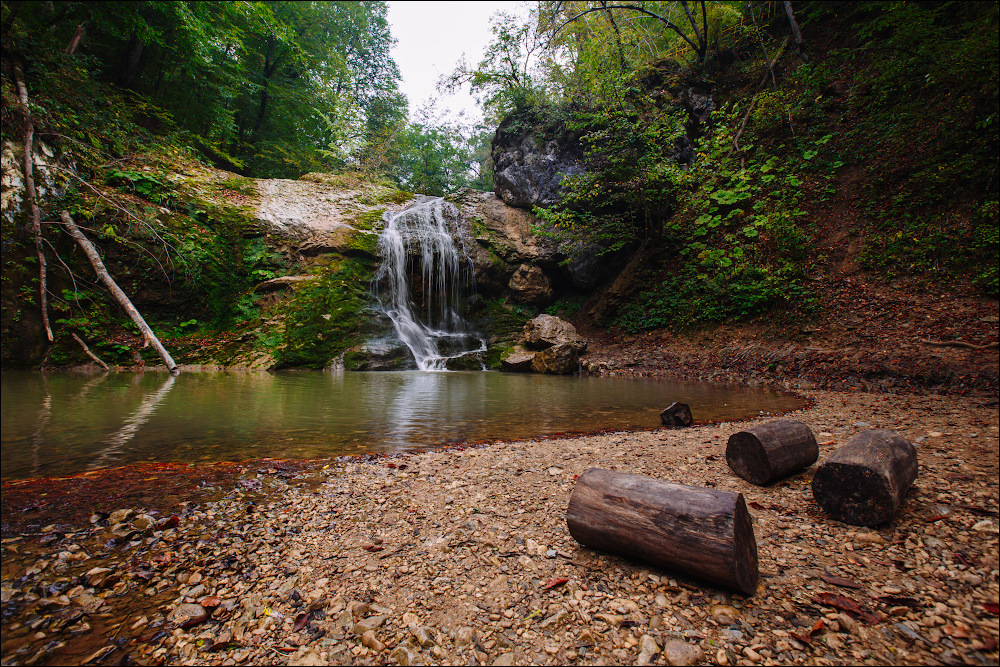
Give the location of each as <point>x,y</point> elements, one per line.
<point>36,216</point>
<point>768,452</point>
<point>116,291</point>
<point>864,481</point>
<point>706,533</point>
<point>90,354</point>
<point>677,414</point>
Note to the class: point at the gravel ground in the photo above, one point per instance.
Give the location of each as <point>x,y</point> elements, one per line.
<point>463,556</point>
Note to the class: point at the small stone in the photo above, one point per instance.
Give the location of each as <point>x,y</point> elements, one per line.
<point>305,657</point>
<point>648,648</point>
<point>721,657</point>
<point>404,656</point>
<point>504,660</point>
<point>466,636</point>
<point>372,642</point>
<point>751,655</point>
<point>410,619</point>
<point>423,635</point>
<point>680,653</point>
<point>188,613</point>
<point>723,614</point>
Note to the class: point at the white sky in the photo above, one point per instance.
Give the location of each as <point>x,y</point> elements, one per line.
<point>431,38</point>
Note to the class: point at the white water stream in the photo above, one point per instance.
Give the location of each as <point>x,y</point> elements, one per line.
<point>421,240</point>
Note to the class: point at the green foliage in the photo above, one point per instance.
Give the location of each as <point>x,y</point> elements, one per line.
<point>324,316</point>
<point>255,83</point>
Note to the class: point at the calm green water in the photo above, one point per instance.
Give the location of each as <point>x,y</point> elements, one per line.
<point>64,423</point>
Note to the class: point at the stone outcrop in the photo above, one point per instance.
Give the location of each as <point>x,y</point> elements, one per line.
<point>530,285</point>
<point>547,331</point>
<point>549,345</point>
<point>531,158</point>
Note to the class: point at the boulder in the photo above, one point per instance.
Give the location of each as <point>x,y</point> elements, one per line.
<point>559,359</point>
<point>530,285</point>
<point>380,355</point>
<point>517,360</point>
<point>547,330</point>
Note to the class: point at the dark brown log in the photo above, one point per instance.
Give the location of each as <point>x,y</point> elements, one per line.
<point>864,481</point>
<point>706,533</point>
<point>768,452</point>
<point>677,414</point>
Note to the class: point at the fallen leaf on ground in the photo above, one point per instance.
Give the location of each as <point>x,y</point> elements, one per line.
<point>552,583</point>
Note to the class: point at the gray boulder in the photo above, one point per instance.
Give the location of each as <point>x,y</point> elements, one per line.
<point>546,331</point>
<point>559,359</point>
<point>518,360</point>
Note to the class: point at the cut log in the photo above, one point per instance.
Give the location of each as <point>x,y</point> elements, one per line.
<point>864,481</point>
<point>677,414</point>
<point>706,533</point>
<point>768,452</point>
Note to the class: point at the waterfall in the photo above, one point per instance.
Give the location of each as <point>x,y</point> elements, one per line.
<point>420,241</point>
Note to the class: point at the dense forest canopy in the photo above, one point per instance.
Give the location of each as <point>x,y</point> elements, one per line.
<point>264,88</point>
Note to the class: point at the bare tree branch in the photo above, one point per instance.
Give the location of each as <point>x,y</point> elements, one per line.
<point>90,354</point>
<point>642,10</point>
<point>36,216</point>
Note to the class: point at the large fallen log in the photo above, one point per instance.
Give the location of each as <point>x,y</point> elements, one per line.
<point>102,272</point>
<point>766,453</point>
<point>864,481</point>
<point>706,533</point>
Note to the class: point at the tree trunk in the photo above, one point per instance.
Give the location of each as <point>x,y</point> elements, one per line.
<point>706,533</point>
<point>677,414</point>
<point>864,481</point>
<point>75,40</point>
<point>117,293</point>
<point>90,354</point>
<point>768,452</point>
<point>36,215</point>
<point>800,47</point>
<point>132,62</point>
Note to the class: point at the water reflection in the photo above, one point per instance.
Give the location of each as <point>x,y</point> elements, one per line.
<point>60,424</point>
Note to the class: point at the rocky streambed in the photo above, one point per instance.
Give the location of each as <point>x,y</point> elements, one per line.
<point>462,556</point>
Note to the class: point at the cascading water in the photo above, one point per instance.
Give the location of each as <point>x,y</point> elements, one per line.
<point>420,238</point>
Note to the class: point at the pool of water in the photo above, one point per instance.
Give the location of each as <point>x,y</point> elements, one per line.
<point>66,423</point>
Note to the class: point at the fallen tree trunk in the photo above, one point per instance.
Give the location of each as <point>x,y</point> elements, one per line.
<point>864,481</point>
<point>90,354</point>
<point>706,533</point>
<point>36,216</point>
<point>116,292</point>
<point>768,452</point>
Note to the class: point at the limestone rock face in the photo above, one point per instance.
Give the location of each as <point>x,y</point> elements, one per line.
<point>547,331</point>
<point>531,159</point>
<point>559,359</point>
<point>530,285</point>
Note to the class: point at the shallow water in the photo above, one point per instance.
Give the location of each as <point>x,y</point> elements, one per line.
<point>65,423</point>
